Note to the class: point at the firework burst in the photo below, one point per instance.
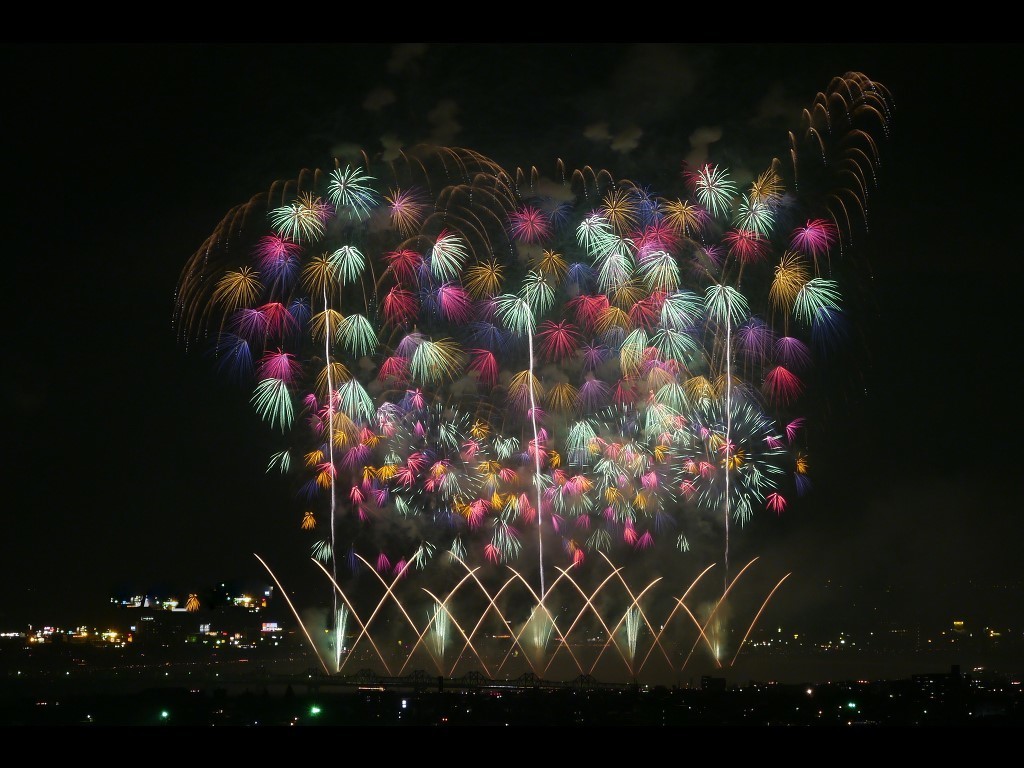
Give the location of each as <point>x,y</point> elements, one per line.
<point>454,360</point>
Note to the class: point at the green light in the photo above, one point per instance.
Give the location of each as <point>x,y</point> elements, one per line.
<point>314,710</point>
<point>851,705</point>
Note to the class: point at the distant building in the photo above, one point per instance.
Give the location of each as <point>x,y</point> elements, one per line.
<point>709,683</point>
<point>227,615</point>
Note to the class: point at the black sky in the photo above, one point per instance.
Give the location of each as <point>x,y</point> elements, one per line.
<point>131,465</point>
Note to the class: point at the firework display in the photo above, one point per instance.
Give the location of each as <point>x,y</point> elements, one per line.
<point>461,358</point>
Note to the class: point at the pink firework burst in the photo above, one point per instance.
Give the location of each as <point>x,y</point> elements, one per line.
<point>394,368</point>
<point>558,340</point>
<point>272,248</point>
<point>646,540</point>
<point>746,245</point>
<point>280,365</point>
<point>776,503</point>
<point>454,303</point>
<point>470,449</point>
<point>400,307</point>
<point>400,569</point>
<point>657,236</point>
<point>404,264</point>
<point>526,509</point>
<point>277,257</point>
<point>646,313</point>
<point>629,534</point>
<point>793,427</point>
<point>476,513</point>
<point>279,321</point>
<point>405,477</point>
<point>530,224</point>
<point>588,309</point>
<point>356,456</point>
<point>485,365</point>
<point>417,461</point>
<point>782,386</point>
<point>624,393</point>
<point>815,238</point>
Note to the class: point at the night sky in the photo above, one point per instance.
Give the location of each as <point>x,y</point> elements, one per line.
<point>132,466</point>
